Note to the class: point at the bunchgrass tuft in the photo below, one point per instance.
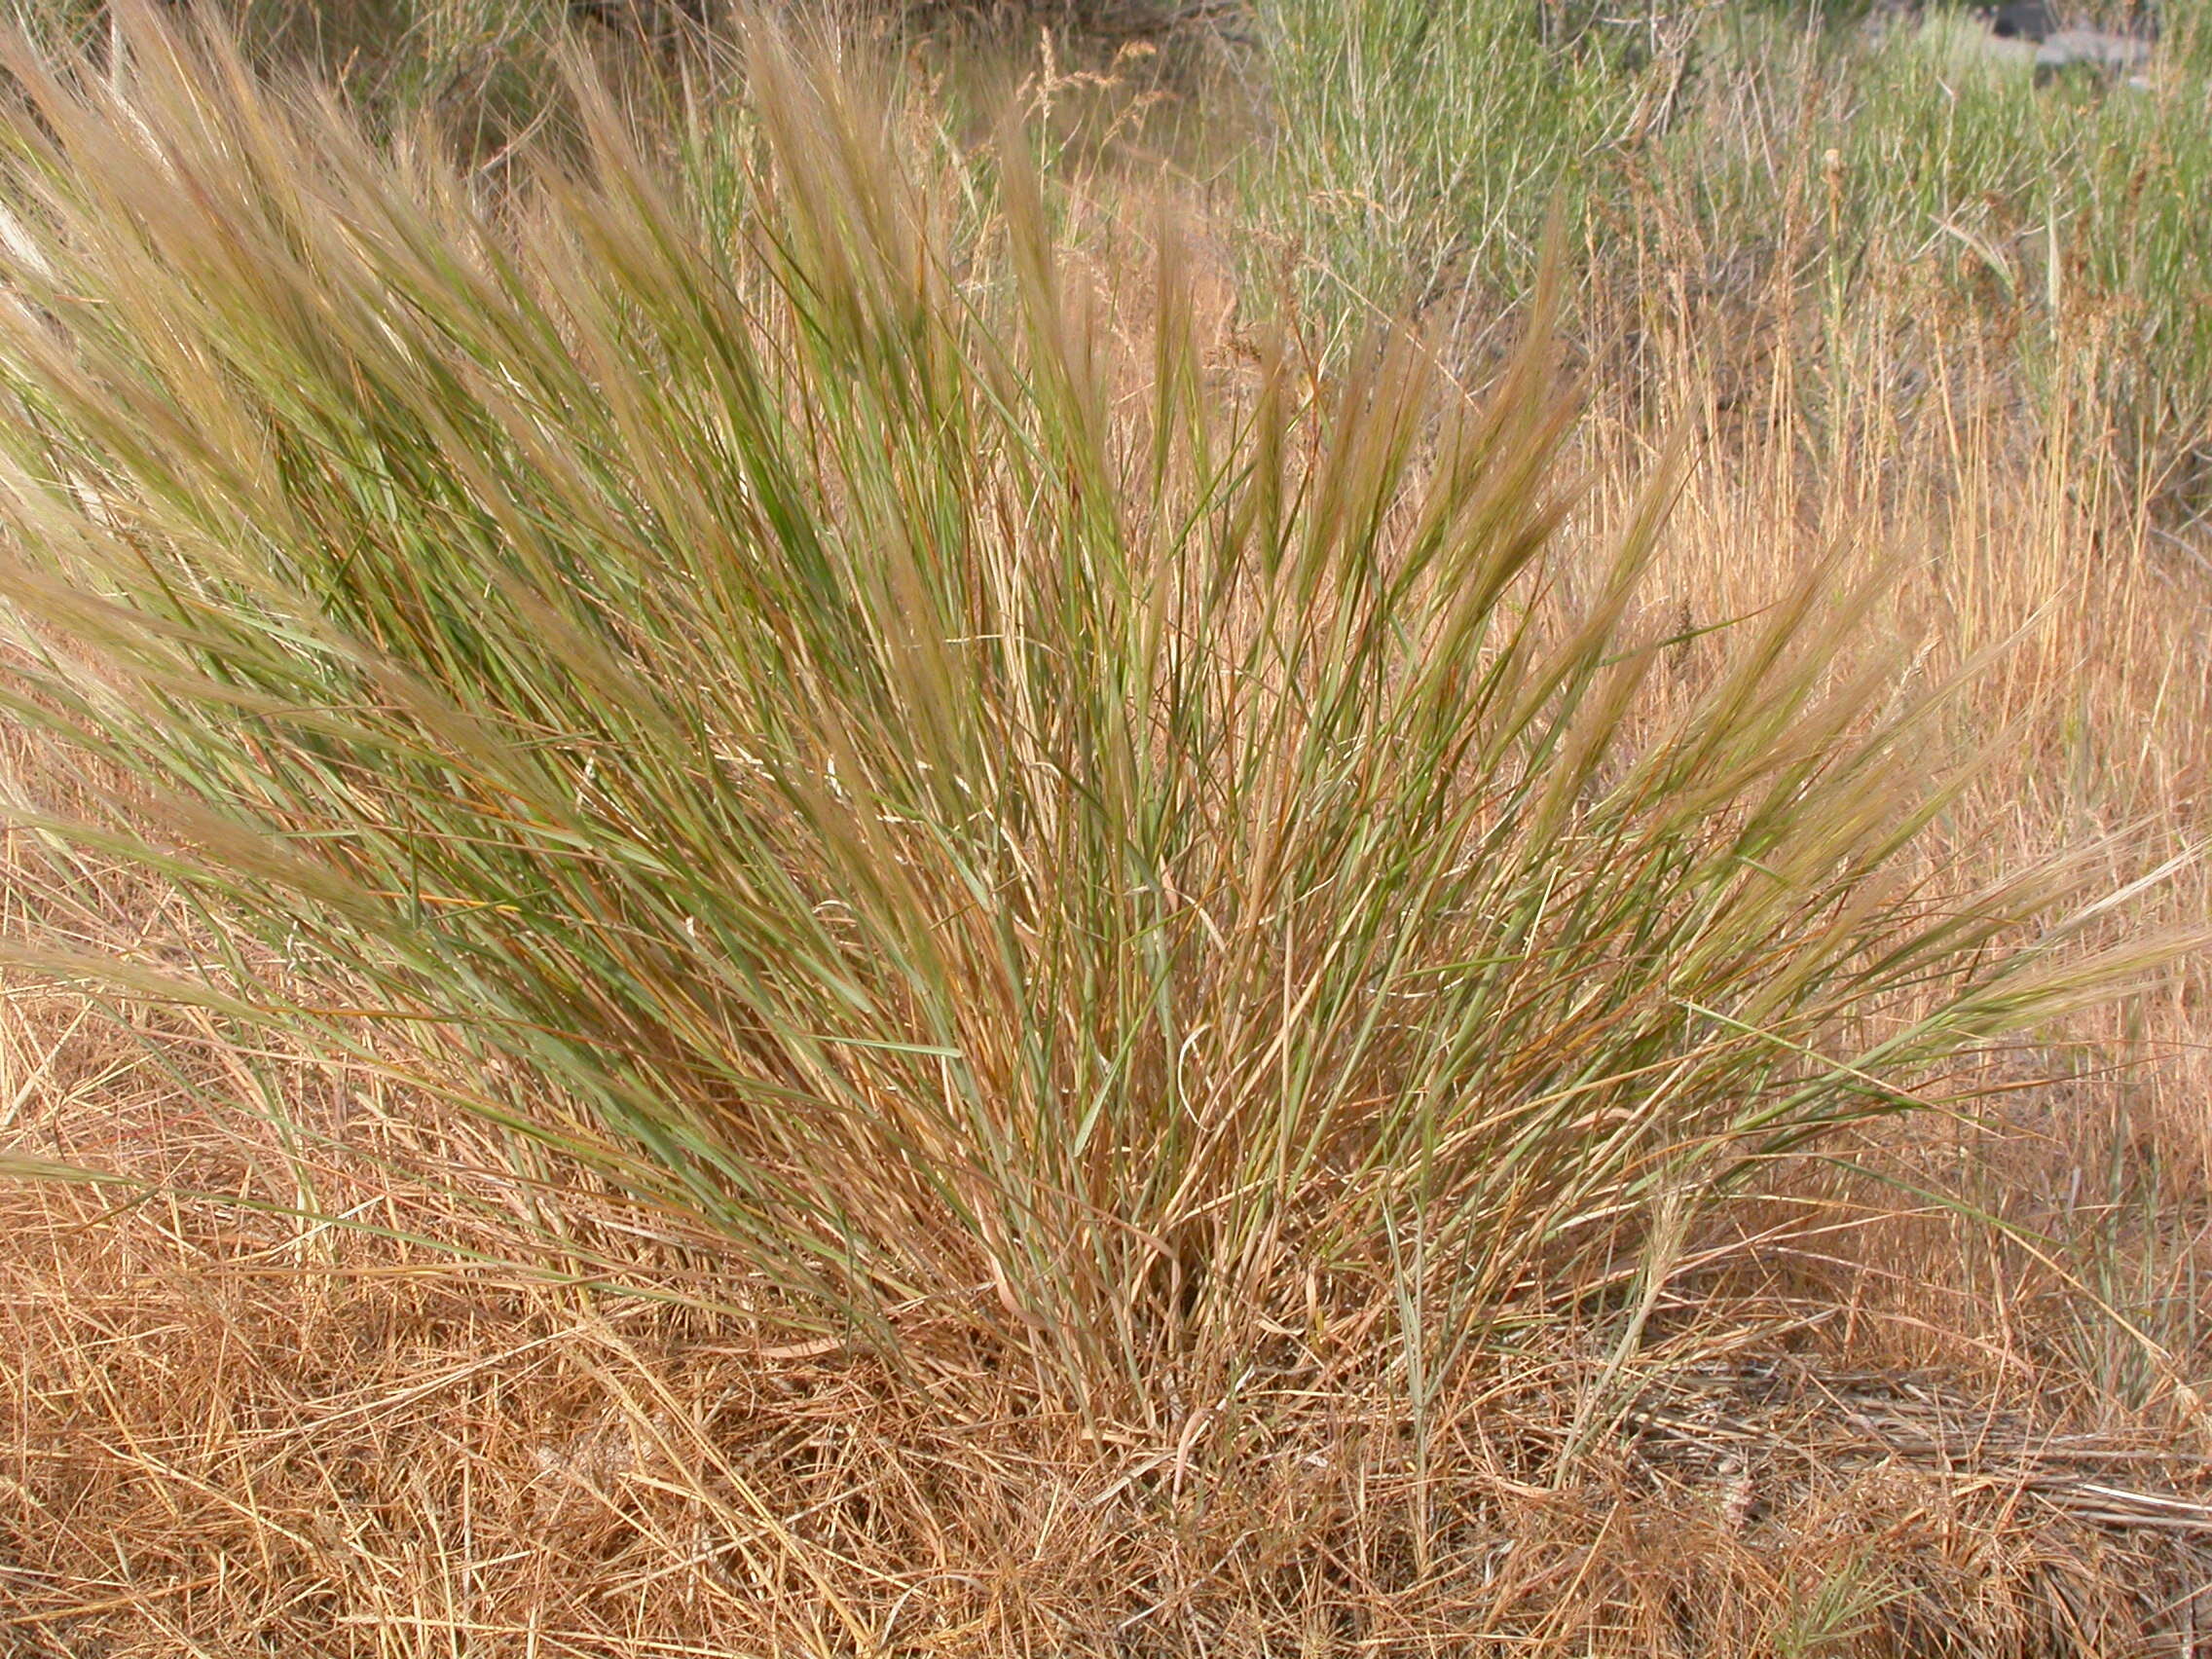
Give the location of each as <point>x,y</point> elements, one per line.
<point>763,692</point>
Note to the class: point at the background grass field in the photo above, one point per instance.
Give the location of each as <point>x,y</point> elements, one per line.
<point>1330,829</point>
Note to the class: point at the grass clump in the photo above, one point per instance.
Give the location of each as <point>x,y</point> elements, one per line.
<point>1418,146</point>
<point>1813,170</point>
<point>761,693</point>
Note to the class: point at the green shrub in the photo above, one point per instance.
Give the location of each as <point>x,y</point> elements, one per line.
<point>1417,149</point>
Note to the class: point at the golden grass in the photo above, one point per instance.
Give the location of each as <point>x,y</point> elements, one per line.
<point>229,1429</point>
<point>1852,1418</point>
<point>213,1445</point>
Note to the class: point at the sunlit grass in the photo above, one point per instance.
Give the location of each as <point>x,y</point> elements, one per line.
<point>774,703</point>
